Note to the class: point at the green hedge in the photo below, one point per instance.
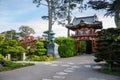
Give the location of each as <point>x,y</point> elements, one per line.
<point>66,47</point>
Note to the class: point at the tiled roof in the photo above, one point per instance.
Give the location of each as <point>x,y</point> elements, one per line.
<point>90,20</point>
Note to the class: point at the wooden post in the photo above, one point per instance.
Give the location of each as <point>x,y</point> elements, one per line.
<point>93,45</point>
<point>78,47</point>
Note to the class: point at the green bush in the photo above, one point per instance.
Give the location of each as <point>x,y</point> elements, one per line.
<point>1,56</point>
<point>2,61</point>
<point>12,47</point>
<point>45,43</point>
<point>66,47</point>
<point>108,46</point>
<point>33,58</point>
<point>39,50</point>
<point>48,57</point>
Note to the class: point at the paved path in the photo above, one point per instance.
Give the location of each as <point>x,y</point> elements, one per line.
<point>75,68</point>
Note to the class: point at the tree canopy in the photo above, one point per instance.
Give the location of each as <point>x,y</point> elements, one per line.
<point>112,7</point>
<point>10,34</point>
<point>58,10</point>
<point>26,30</point>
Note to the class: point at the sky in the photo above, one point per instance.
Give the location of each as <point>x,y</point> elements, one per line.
<point>15,13</point>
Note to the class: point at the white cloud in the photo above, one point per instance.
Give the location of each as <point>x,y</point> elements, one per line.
<point>60,30</point>
<point>38,25</point>
<point>42,25</point>
<point>108,22</point>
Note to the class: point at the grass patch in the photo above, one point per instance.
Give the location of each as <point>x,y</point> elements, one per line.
<point>113,72</point>
<point>12,65</point>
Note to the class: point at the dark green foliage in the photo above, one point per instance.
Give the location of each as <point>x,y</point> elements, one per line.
<point>108,45</point>
<point>66,47</point>
<point>39,50</point>
<point>112,8</point>
<point>2,62</point>
<point>98,4</point>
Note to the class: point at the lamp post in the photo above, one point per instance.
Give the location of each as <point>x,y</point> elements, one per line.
<point>52,48</point>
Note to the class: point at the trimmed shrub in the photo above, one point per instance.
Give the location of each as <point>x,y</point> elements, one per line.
<point>66,47</point>
<point>39,50</point>
<point>108,45</point>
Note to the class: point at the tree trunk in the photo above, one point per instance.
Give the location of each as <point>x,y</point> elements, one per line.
<point>69,18</point>
<point>50,18</point>
<point>110,66</point>
<point>117,19</point>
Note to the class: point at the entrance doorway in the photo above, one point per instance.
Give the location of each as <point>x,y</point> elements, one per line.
<point>84,47</point>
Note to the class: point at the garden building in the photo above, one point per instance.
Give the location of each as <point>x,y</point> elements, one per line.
<point>85,30</point>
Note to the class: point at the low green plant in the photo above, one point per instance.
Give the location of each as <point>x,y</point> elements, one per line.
<point>2,61</point>
<point>33,58</point>
<point>48,57</point>
<point>8,65</point>
<point>1,56</point>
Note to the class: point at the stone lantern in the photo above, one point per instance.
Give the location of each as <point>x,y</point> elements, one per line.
<point>52,48</point>
<point>52,38</point>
